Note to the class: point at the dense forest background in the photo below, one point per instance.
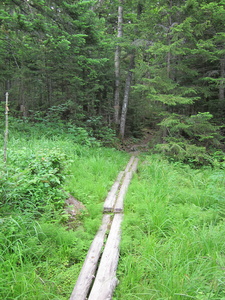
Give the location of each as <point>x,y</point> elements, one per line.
<point>119,66</point>
<point>83,79</point>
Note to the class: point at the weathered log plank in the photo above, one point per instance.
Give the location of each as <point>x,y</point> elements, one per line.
<point>111,197</point>
<point>120,199</point>
<point>106,281</point>
<point>87,273</point>
<point>129,164</point>
<point>133,168</point>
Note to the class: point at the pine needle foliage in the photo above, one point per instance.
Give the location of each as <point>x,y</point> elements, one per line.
<point>190,139</point>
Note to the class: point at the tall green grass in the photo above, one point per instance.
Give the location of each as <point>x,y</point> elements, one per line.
<point>173,243</point>
<point>91,179</point>
<point>40,253</point>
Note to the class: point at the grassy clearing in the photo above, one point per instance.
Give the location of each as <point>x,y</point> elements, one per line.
<point>40,257</point>
<point>173,231</point>
<point>173,234</point>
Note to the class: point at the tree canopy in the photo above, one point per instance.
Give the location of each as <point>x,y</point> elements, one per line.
<point>133,63</point>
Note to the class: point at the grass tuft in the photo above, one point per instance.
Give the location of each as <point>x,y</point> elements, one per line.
<point>40,253</point>
<point>173,234</point>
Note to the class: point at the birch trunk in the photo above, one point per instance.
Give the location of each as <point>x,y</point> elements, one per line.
<point>117,65</point>
<point>126,97</point>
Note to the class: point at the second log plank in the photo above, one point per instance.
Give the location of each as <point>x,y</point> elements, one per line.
<point>110,199</point>
<point>127,179</point>
<point>114,200</point>
<point>87,273</point>
<point>105,281</point>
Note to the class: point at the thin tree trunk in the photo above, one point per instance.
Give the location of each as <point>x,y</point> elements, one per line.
<point>169,59</point>
<point>169,42</point>
<point>222,81</point>
<point>23,108</point>
<point>6,126</point>
<point>117,65</point>
<point>126,97</point>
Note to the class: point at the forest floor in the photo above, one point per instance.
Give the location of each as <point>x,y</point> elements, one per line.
<point>136,146</point>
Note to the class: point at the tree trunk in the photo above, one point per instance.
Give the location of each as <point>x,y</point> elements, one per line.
<point>6,126</point>
<point>117,65</point>
<point>169,41</point>
<point>126,97</point>
<point>22,103</point>
<point>222,81</point>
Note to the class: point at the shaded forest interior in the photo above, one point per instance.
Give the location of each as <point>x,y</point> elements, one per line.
<point>119,68</point>
<point>81,79</point>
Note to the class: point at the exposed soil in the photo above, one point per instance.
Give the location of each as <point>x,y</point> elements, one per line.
<point>73,206</point>
<point>140,145</point>
<point>74,210</point>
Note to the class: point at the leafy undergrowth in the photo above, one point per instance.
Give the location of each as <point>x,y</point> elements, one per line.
<point>173,234</point>
<point>41,250</point>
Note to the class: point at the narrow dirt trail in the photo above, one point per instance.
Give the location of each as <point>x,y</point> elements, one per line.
<point>141,145</point>
<point>97,279</point>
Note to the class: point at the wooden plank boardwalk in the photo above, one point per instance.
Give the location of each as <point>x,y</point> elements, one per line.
<point>97,279</point>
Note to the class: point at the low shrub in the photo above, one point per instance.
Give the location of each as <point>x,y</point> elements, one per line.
<point>34,180</point>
